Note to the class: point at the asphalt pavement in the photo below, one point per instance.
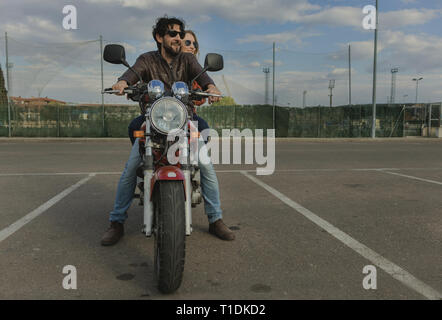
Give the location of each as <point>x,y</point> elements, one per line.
<point>337,219</point>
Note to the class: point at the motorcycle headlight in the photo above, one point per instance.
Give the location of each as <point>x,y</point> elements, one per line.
<point>155,89</point>
<point>168,114</point>
<point>180,90</point>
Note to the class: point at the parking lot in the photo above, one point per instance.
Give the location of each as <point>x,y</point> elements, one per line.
<point>308,231</point>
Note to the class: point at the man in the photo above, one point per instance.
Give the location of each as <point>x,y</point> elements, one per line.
<point>168,65</point>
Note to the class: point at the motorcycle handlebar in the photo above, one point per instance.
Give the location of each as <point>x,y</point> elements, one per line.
<point>112,91</point>
<point>205,94</point>
<point>131,91</point>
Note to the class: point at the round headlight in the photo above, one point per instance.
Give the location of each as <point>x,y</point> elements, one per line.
<point>168,114</point>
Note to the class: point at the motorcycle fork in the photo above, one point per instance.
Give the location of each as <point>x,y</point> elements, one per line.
<point>148,173</point>
<point>188,187</point>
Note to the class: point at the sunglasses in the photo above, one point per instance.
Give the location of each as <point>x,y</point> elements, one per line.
<point>173,33</point>
<point>188,43</point>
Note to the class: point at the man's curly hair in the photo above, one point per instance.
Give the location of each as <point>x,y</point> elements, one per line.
<point>163,24</point>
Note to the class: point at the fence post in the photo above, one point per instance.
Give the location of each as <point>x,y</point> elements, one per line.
<point>234,116</point>
<point>403,122</point>
<point>319,121</point>
<point>9,86</point>
<point>58,121</point>
<point>102,83</point>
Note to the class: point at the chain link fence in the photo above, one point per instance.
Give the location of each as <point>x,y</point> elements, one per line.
<point>310,122</point>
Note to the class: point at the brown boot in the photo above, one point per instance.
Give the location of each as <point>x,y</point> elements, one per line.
<point>219,229</point>
<point>113,234</point>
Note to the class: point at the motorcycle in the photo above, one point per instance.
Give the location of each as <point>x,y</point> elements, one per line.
<point>168,191</point>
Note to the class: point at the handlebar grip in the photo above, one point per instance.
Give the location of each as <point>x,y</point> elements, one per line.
<point>205,94</point>
<point>125,91</point>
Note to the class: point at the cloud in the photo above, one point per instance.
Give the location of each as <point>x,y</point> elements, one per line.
<point>254,64</point>
<point>148,46</point>
<point>294,37</point>
<point>411,52</point>
<point>360,50</point>
<point>407,17</point>
<point>341,16</point>
<point>409,1</point>
<point>282,10</point>
<point>36,28</point>
<point>269,62</point>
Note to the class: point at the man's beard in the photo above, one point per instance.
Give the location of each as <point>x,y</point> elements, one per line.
<point>170,51</point>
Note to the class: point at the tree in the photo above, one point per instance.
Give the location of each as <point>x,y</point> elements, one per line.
<point>3,95</point>
<point>226,101</point>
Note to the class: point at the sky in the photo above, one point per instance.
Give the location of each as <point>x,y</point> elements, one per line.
<point>311,47</point>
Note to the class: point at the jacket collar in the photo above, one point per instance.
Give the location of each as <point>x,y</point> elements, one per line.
<point>173,60</point>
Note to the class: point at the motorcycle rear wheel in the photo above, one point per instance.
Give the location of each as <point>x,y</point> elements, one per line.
<point>169,234</point>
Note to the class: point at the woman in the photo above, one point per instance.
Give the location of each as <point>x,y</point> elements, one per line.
<point>188,44</point>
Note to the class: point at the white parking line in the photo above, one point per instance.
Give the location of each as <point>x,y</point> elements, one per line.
<point>55,174</point>
<point>395,271</point>
<point>221,171</point>
<point>415,178</point>
<point>45,206</point>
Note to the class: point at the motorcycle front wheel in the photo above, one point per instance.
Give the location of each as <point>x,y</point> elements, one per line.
<point>169,234</point>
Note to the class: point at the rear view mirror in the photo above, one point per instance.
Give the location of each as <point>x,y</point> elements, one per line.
<point>115,53</point>
<point>214,62</point>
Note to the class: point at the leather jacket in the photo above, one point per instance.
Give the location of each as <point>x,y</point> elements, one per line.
<point>151,65</point>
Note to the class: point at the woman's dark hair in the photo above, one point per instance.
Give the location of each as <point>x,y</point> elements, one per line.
<point>162,25</point>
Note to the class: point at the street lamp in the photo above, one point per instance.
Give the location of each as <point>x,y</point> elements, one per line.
<point>266,71</point>
<point>394,71</point>
<point>417,85</point>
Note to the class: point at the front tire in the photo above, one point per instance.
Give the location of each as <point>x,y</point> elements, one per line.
<point>170,234</point>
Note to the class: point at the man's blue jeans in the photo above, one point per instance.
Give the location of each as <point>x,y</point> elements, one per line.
<point>128,181</point>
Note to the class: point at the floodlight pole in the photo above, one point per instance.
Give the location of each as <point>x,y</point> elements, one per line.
<point>266,71</point>
<point>274,102</point>
<point>331,85</point>
<point>349,75</point>
<point>373,127</point>
<point>417,86</point>
<point>8,86</point>
<point>394,71</point>
<point>102,81</point>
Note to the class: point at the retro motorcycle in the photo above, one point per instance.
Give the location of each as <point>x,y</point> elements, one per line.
<point>168,191</point>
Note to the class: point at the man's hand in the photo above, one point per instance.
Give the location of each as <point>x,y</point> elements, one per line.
<point>120,85</point>
<point>214,90</point>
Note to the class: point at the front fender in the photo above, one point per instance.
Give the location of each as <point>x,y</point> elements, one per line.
<point>167,173</point>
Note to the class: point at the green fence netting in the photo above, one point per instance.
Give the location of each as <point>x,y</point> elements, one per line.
<point>310,122</point>
<point>67,121</point>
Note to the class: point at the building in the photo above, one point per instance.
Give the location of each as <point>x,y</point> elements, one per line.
<point>35,101</point>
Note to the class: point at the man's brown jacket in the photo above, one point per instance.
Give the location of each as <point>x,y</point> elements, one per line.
<point>151,65</point>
